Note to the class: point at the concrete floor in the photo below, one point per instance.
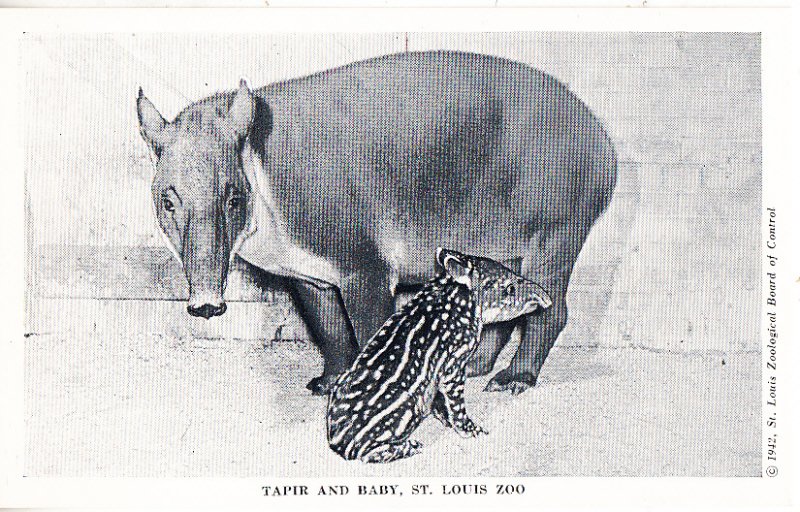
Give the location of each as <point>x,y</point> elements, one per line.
<point>132,403</point>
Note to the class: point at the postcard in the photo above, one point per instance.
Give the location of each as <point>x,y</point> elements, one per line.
<point>398,258</point>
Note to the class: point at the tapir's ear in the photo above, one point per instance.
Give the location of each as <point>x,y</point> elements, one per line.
<point>152,125</point>
<point>456,264</point>
<point>243,108</point>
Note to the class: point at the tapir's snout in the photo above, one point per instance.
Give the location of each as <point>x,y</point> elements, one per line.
<point>207,310</point>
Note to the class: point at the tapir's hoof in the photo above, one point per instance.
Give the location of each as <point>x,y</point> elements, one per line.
<point>515,384</point>
<point>476,368</point>
<point>321,385</point>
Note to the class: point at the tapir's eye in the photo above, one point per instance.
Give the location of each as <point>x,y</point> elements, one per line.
<point>169,205</point>
<point>511,289</point>
<point>234,202</point>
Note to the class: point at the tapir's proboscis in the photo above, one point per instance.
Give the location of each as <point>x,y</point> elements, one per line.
<point>345,181</point>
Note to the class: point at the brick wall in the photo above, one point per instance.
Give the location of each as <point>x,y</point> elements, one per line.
<point>674,264</point>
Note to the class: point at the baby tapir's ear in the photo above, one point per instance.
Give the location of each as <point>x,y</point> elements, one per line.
<point>456,264</point>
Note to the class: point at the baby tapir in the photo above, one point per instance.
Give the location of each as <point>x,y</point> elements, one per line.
<point>414,365</point>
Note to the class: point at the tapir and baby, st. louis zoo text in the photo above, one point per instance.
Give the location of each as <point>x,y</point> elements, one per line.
<point>346,181</point>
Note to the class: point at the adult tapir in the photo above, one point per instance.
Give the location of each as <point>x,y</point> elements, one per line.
<point>347,180</point>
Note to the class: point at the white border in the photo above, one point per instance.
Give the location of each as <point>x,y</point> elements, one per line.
<point>775,24</point>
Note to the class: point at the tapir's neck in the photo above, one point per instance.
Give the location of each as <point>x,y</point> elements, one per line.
<point>266,242</point>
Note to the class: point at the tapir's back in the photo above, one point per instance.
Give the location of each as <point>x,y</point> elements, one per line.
<point>453,148</point>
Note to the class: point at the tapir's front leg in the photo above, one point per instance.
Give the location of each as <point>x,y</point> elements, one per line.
<point>368,296</point>
<point>323,311</point>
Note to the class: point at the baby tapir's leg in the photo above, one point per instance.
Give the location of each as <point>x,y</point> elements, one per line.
<point>448,405</point>
<point>393,451</point>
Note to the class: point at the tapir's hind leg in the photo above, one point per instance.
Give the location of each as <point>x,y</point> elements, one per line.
<point>549,262</point>
<point>493,338</point>
<point>324,314</point>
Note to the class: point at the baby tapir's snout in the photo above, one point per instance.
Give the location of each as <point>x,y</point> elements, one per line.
<point>414,365</point>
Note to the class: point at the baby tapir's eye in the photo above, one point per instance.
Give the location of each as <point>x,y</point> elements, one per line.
<point>168,205</point>
<point>234,202</point>
<point>511,289</point>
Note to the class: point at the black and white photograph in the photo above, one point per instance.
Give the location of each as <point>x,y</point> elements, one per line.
<point>368,255</point>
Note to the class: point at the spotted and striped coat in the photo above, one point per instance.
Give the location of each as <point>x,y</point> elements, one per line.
<point>415,364</point>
